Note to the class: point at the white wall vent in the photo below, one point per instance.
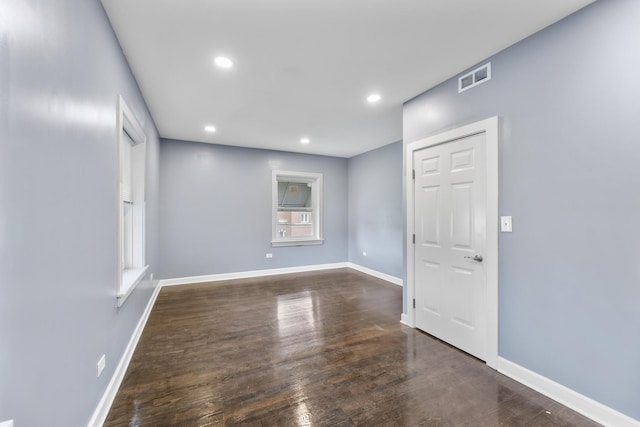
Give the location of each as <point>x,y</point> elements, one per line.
<point>474,78</point>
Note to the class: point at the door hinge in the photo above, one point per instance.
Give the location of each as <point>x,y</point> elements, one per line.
<point>414,239</point>
<point>414,174</point>
<point>414,303</point>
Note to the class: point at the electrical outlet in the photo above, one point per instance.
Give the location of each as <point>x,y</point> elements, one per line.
<point>364,253</point>
<point>101,364</point>
<point>269,255</point>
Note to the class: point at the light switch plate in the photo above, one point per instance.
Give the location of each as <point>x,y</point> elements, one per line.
<point>506,225</point>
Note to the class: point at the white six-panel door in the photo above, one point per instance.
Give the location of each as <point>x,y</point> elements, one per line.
<point>450,242</point>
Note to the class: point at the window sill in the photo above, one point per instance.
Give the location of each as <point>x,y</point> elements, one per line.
<point>130,279</point>
<point>297,242</point>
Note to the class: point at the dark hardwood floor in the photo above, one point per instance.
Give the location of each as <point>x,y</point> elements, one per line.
<point>310,349</point>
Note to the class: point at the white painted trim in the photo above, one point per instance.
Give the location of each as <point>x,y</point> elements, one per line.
<point>297,242</point>
<point>493,219</point>
<point>392,279</point>
<point>403,320</point>
<point>315,180</point>
<point>130,279</point>
<point>126,122</point>
<point>129,122</point>
<point>249,274</point>
<point>572,399</point>
<point>102,410</point>
<point>490,128</point>
<point>274,271</point>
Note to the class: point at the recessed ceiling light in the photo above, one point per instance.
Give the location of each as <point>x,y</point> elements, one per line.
<point>223,62</point>
<point>374,97</point>
<point>305,140</point>
<point>209,128</point>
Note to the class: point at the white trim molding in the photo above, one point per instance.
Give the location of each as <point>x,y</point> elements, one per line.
<point>404,320</point>
<point>572,399</point>
<point>392,279</point>
<point>274,271</point>
<point>130,279</point>
<point>313,180</point>
<point>130,192</point>
<point>102,410</point>
<point>490,128</point>
<point>249,274</point>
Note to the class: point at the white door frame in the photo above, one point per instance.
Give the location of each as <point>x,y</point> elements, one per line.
<point>490,128</point>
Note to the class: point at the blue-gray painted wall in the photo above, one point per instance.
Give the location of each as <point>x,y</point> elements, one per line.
<point>216,209</point>
<point>568,289</point>
<point>569,105</point>
<point>61,70</point>
<point>375,210</point>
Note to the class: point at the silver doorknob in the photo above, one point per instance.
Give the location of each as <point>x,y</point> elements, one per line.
<point>475,258</point>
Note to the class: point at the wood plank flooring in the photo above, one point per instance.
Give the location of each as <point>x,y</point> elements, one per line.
<point>310,349</point>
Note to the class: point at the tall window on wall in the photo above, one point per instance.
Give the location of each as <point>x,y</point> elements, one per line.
<point>296,208</point>
<point>131,202</point>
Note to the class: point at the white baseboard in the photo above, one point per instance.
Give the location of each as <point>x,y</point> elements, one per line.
<point>102,410</point>
<point>570,398</point>
<point>374,273</point>
<point>405,320</point>
<point>249,274</point>
<point>274,271</point>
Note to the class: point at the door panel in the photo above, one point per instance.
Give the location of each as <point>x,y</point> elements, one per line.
<point>430,166</point>
<point>461,215</point>
<point>430,224</point>
<point>449,215</point>
<point>432,295</point>
<point>462,160</point>
<point>462,284</point>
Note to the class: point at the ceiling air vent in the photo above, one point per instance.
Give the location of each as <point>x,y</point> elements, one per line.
<point>474,78</point>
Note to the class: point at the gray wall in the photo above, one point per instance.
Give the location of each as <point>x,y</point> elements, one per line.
<point>216,209</point>
<point>569,102</point>
<point>375,209</point>
<point>61,70</point>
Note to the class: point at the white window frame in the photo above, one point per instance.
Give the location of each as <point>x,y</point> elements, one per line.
<point>130,132</point>
<point>315,180</point>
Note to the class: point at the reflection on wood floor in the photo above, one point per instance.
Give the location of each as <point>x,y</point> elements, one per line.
<point>310,349</point>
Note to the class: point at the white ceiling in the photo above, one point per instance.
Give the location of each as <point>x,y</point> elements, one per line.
<point>303,68</point>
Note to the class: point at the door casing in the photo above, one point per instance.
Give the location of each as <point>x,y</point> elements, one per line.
<point>490,128</point>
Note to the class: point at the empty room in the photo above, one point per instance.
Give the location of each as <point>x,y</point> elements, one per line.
<point>319,213</point>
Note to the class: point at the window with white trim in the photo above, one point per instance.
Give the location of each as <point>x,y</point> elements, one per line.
<point>131,202</point>
<point>296,208</point>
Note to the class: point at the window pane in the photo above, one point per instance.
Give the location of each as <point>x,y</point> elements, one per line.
<point>294,196</point>
<point>295,212</point>
<point>297,223</point>
<point>297,204</point>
